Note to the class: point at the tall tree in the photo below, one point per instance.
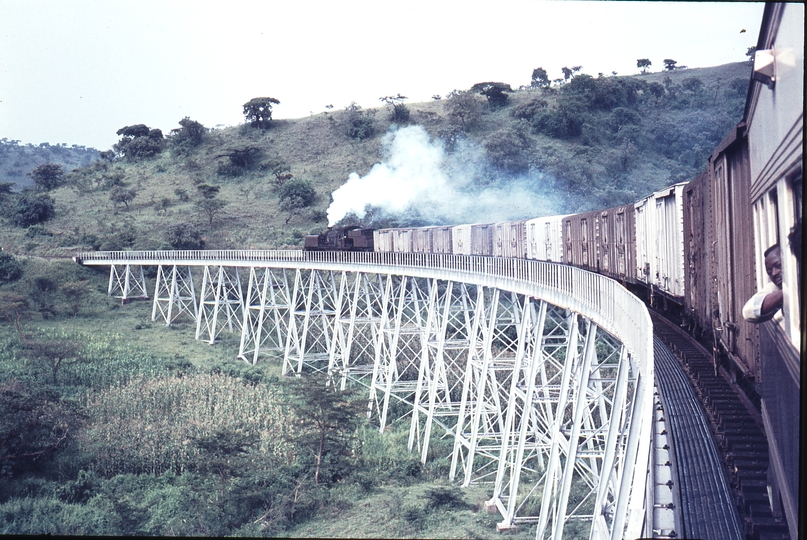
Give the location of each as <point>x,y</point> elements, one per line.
<point>258,111</point>
<point>48,176</point>
<point>325,427</point>
<point>540,78</point>
<point>643,63</point>
<point>495,92</point>
<point>669,64</point>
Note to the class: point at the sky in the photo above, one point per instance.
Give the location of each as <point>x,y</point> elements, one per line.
<point>76,71</point>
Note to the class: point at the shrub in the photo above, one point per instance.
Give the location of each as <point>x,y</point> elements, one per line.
<point>358,125</point>
<point>32,208</point>
<point>298,188</point>
<point>510,149</point>
<point>48,176</point>
<point>184,236</point>
<point>10,268</point>
<point>527,110</point>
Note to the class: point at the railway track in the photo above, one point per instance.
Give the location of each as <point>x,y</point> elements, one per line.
<point>720,446</point>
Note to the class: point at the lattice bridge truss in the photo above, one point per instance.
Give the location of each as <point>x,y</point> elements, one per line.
<point>539,375</point>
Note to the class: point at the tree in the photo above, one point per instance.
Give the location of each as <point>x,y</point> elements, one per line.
<point>32,208</point>
<point>509,149</point>
<point>138,142</point>
<point>10,268</point>
<point>751,53</point>
<point>567,73</point>
<point>75,292</point>
<point>358,124</point>
<point>258,111</point>
<point>495,92</point>
<point>540,78</point>
<point>527,110</point>
<point>55,353</point>
<point>188,135</point>
<point>398,111</point>
<point>206,191</point>
<point>643,63</point>
<point>184,236</point>
<point>669,64</point>
<point>14,307</point>
<point>33,422</point>
<point>302,189</point>
<point>120,194</point>
<point>692,84</point>
<point>463,106</point>
<point>48,176</point>
<point>241,160</point>
<point>325,426</point>
<point>211,208</point>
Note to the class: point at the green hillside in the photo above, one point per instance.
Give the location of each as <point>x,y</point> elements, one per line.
<point>591,143</point>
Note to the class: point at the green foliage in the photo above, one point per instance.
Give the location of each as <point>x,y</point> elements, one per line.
<point>540,78</point>
<point>495,92</point>
<point>300,189</point>
<point>358,124</point>
<point>211,208</point>
<point>184,236</point>
<point>464,107</point>
<point>206,191</point>
<point>34,423</point>
<point>10,268</point>
<point>240,160</point>
<point>188,136</point>
<point>643,63</point>
<point>669,64</point>
<point>510,149</point>
<point>398,112</point>
<point>120,194</point>
<point>528,109</point>
<point>48,176</point>
<point>258,111</point>
<point>32,208</point>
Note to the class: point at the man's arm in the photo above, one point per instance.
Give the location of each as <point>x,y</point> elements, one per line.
<point>763,306</point>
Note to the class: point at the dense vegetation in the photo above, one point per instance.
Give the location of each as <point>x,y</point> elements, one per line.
<point>17,160</point>
<point>112,424</point>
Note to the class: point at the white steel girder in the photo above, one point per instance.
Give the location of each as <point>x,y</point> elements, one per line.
<point>174,294</point>
<point>128,280</point>
<point>221,303</point>
<point>266,313</point>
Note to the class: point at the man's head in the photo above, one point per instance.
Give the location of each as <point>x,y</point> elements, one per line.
<point>773,264</point>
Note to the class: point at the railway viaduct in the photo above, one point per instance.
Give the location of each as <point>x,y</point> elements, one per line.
<point>542,375</point>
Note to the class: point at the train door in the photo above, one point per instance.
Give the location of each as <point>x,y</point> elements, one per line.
<point>567,237</point>
<point>721,255</point>
<point>584,241</point>
<point>619,242</point>
<point>548,240</point>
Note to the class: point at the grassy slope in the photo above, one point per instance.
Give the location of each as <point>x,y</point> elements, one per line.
<point>316,149</point>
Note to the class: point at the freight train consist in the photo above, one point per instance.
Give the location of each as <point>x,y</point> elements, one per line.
<point>695,249</point>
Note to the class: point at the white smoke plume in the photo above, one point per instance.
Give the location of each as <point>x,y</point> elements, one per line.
<point>419,177</point>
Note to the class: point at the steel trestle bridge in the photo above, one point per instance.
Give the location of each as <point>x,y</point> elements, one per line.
<point>541,375</point>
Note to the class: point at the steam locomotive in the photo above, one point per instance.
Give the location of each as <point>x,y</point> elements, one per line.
<point>695,248</point>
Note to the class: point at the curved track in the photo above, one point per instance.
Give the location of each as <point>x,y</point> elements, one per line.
<point>721,451</point>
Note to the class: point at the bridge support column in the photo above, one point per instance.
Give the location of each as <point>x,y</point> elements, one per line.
<point>221,295</point>
<point>267,310</point>
<point>313,310</point>
<point>129,281</point>
<point>173,294</point>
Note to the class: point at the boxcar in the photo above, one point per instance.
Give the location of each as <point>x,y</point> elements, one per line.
<point>383,238</point>
<point>509,239</point>
<point>421,240</point>
<point>482,239</point>
<point>659,221</point>
<point>461,239</point>
<point>402,240</point>
<point>578,234</point>
<point>697,254</point>
<point>441,239</point>
<point>544,240</point>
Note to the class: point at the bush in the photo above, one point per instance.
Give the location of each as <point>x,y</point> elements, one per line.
<point>10,268</point>
<point>32,208</point>
<point>184,236</point>
<point>527,110</point>
<point>358,124</point>
<point>300,189</point>
<point>510,149</point>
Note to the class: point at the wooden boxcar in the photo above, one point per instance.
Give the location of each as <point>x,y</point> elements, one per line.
<point>441,239</point>
<point>461,239</point>
<point>421,240</point>
<point>509,239</point>
<point>383,238</point>
<point>482,239</point>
